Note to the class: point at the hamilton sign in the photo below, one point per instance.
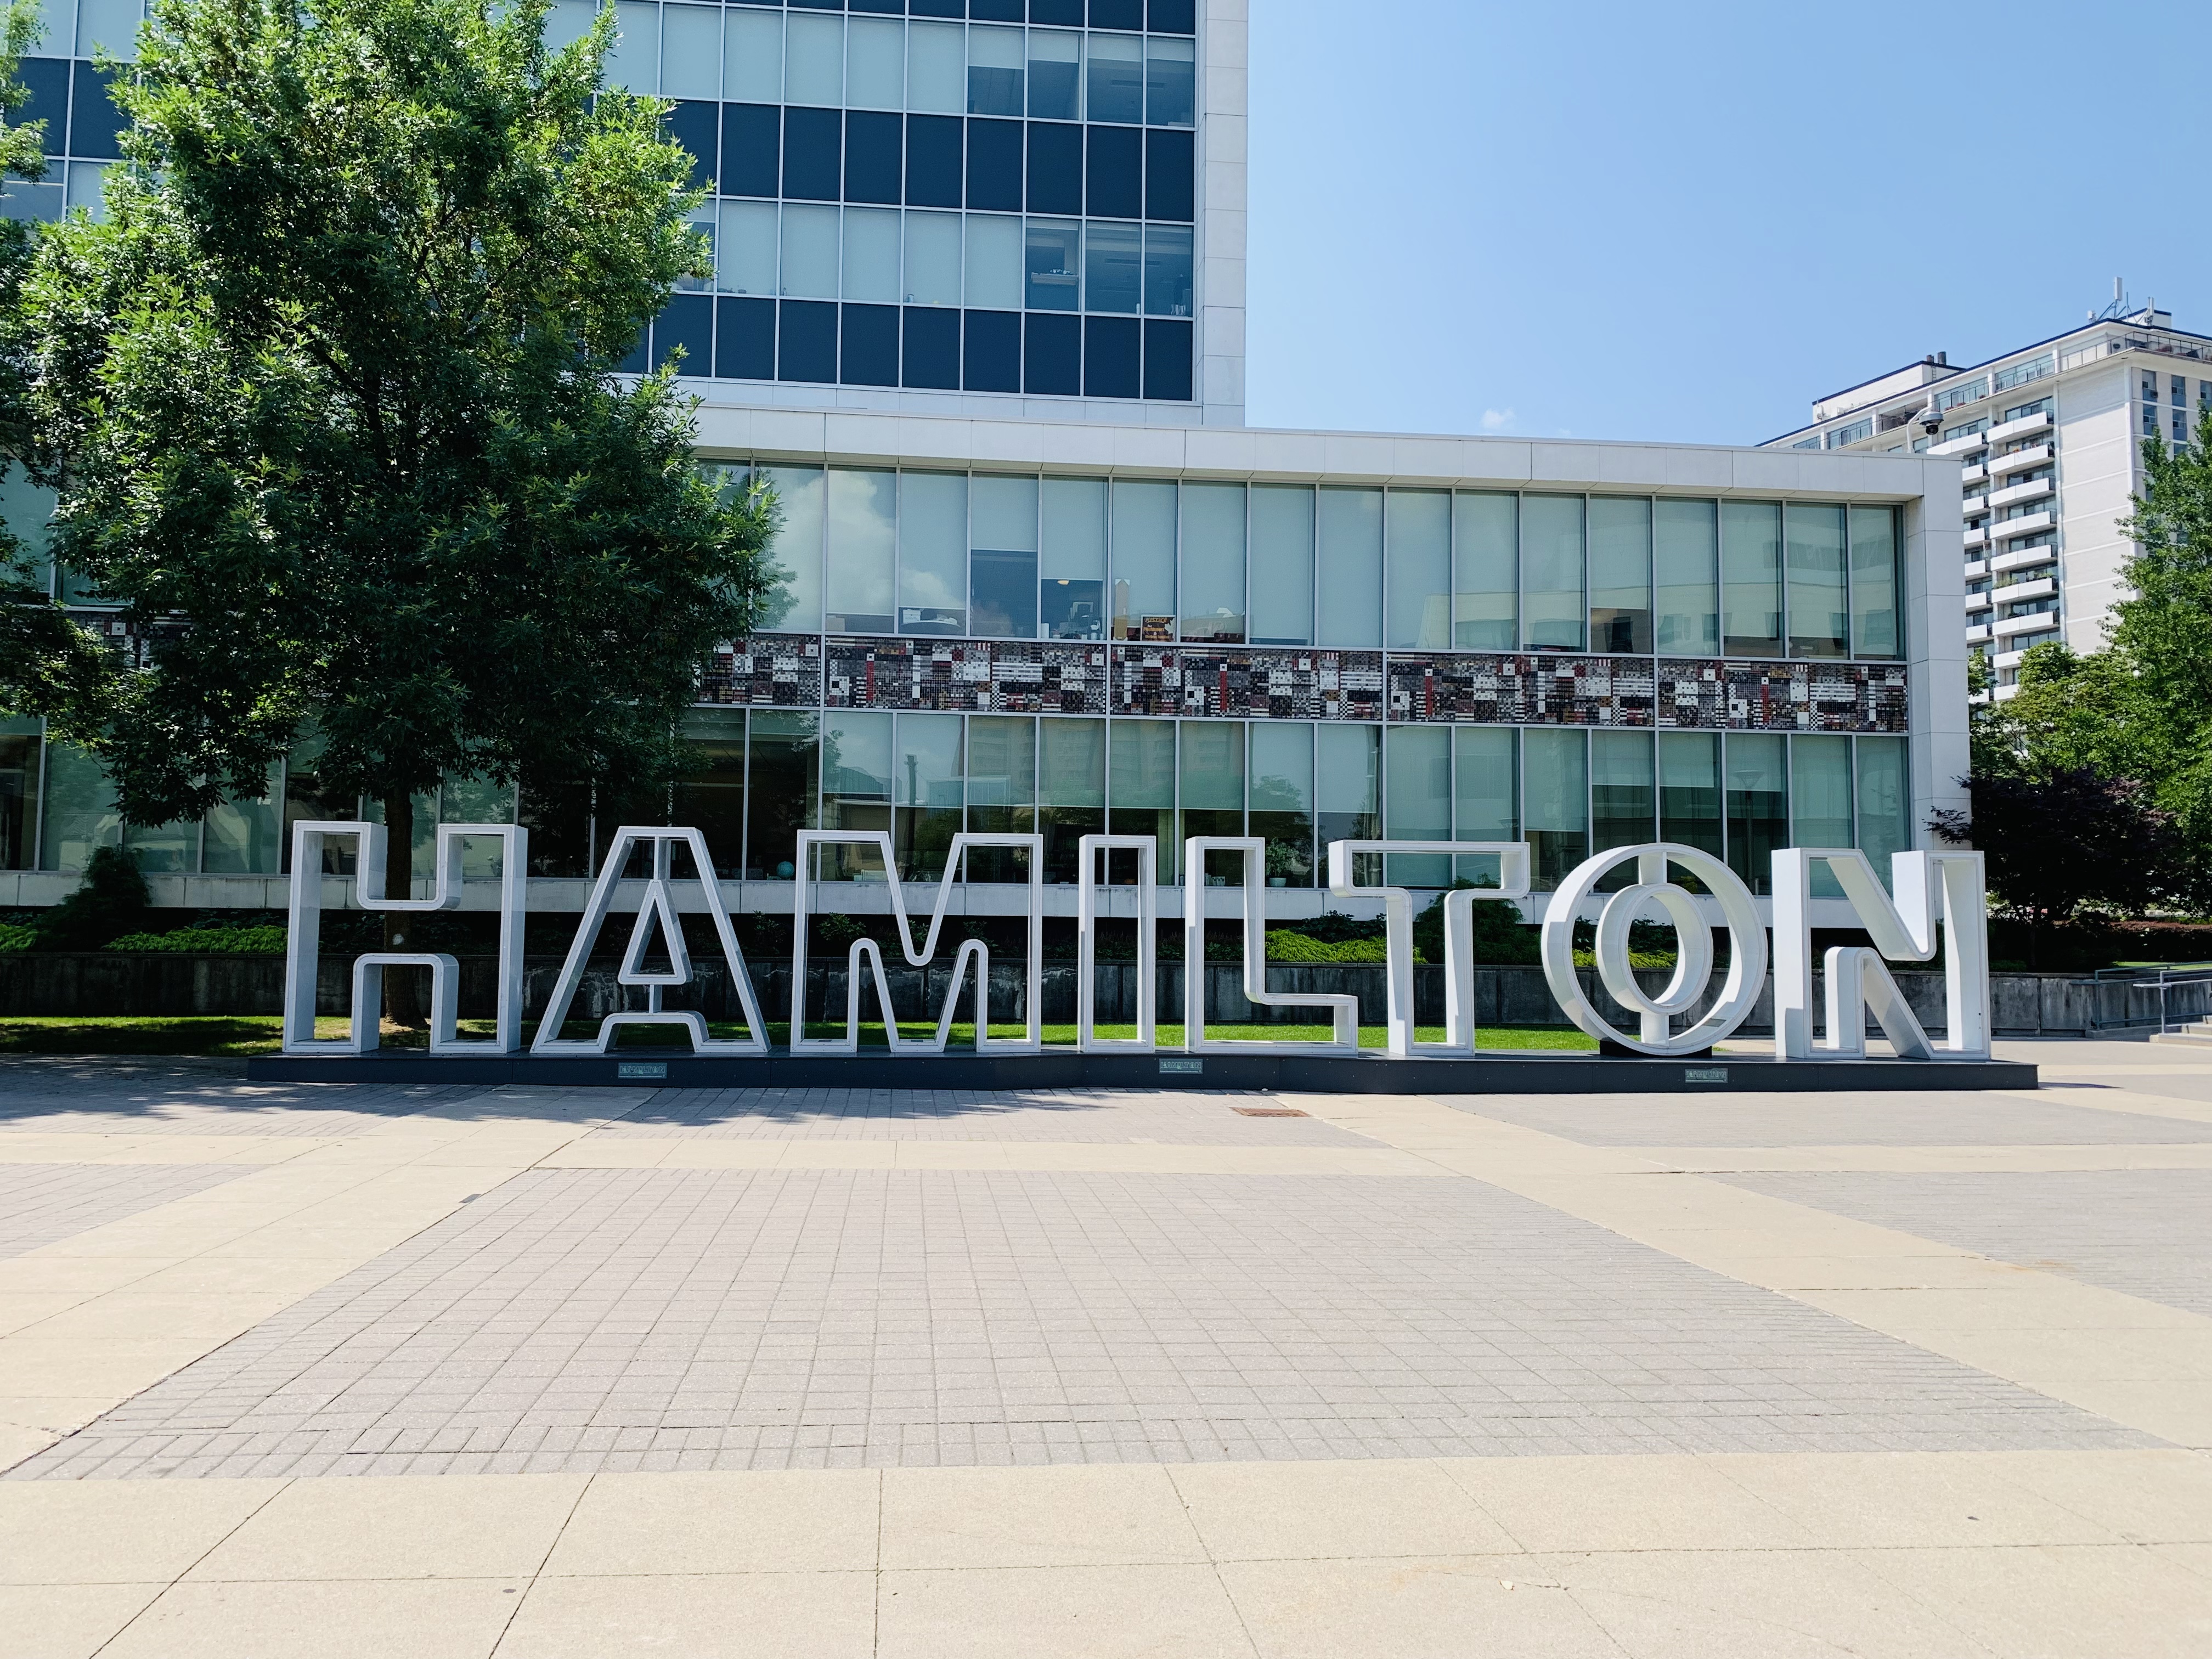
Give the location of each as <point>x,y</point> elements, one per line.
<point>1934,906</point>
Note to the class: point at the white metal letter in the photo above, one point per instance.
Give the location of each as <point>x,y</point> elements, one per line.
<point>303,939</point>
<point>1344,1011</point>
<point>1459,934</point>
<point>1087,889</point>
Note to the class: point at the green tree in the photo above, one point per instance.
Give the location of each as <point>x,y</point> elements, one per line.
<point>331,388</point>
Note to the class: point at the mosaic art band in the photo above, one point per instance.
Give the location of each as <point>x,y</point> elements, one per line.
<point>1934,907</point>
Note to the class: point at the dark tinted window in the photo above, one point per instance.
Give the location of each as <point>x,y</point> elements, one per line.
<point>932,161</point>
<point>752,150</point>
<point>1117,14</point>
<point>687,325</point>
<point>1167,16</point>
<point>745,339</point>
<point>938,8</point>
<point>1116,182</point>
<point>638,358</point>
<point>46,79</point>
<point>873,142</point>
<point>1065,14</point>
<point>992,350</point>
<point>1055,167</point>
<point>813,141</point>
<point>1109,357</point>
<point>807,349</point>
<point>891,6</point>
<point>1167,361</point>
<point>1052,358</point>
<point>871,345</point>
<point>1169,181</point>
<point>93,126</point>
<point>995,11</point>
<point>696,126</point>
<point>933,348</point>
<point>994,165</point>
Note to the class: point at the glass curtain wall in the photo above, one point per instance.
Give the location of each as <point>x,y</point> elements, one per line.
<point>1348,790</point>
<point>1212,793</point>
<point>1280,803</point>
<point>1282,541</point>
<point>1485,571</point>
<point>1417,773</point>
<point>1071,792</point>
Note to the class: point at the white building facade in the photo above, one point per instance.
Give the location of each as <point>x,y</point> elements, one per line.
<point>2049,440</point>
<point>1038,577</point>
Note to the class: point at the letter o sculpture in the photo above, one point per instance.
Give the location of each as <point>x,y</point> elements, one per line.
<point>1694,956</point>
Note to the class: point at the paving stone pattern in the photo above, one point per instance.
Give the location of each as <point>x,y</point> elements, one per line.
<point>1194,1118</point>
<point>585,1319</point>
<point>1996,1117</point>
<point>2147,1232</point>
<point>200,1097</point>
<point>44,1203</point>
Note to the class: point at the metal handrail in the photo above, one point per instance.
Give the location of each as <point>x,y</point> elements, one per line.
<point>2166,979</point>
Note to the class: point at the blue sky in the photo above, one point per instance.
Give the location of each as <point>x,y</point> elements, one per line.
<point>1683,222</point>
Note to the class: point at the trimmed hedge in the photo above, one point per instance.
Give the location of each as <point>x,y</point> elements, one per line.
<point>256,941</point>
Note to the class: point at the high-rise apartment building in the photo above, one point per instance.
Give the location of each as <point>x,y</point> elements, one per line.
<point>2049,440</point>
<point>977,315</point>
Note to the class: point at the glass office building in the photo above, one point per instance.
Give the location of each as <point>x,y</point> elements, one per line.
<point>976,319</point>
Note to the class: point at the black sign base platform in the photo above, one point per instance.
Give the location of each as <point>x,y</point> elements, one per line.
<point>1503,1073</point>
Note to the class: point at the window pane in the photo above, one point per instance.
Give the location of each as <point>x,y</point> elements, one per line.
<point>1072,763</point>
<point>1686,551</point>
<point>1417,561</point>
<point>856,786</point>
<point>872,255</point>
<point>1002,560</point>
<point>1116,79</point>
<point>109,26</point>
<point>1874,632</point>
<point>1002,753</point>
<point>1486,573</point>
<point>1555,804</point>
<point>1884,801</point>
<point>692,51</point>
<point>712,797</point>
<point>1113,266</point>
<point>1055,75</point>
<point>246,837</point>
<point>796,555</point>
<point>933,258</point>
<point>814,60</point>
<point>809,261</point>
<point>927,789</point>
<point>1167,83</point>
<point>1141,790</point>
<point>1280,797</point>
<point>1820,790</point>
<point>1349,601</point>
<point>994,71</point>
<point>1347,788</point>
<point>1622,793</point>
<point>79,810</point>
<point>1051,265</point>
<point>1620,573</point>
<point>1283,546</point>
<point>634,63</point>
<point>1143,556</point>
<point>1758,806</point>
<point>1418,770</point>
<point>1485,795</point>
<point>994,276</point>
<point>1751,578</point>
<point>1072,566</point>
<point>1690,789</point>
<point>862,522</point>
<point>936,69</point>
<point>933,538</point>
<point>1213,772</point>
<point>780,754</point>
<point>875,64</point>
<point>1552,617</point>
<point>1819,619</point>
<point>752,55</point>
<point>18,794</point>
<point>745,251</point>
<point>1212,568</point>
<point>1167,271</point>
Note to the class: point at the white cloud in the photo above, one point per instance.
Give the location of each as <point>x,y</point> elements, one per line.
<point>1497,419</point>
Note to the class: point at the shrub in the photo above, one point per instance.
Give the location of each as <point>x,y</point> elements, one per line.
<point>258,941</point>
<point>111,898</point>
<point>1284,946</point>
<point>16,937</point>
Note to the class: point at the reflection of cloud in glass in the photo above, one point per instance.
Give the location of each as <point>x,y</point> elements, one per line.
<point>1277,794</point>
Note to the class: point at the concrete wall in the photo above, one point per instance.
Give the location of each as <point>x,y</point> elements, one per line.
<point>148,984</point>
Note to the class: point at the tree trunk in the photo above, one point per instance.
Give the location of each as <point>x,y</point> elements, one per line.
<point>403,991</point>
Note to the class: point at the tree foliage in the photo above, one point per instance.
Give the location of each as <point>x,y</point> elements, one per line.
<point>2071,838</point>
<point>331,390</point>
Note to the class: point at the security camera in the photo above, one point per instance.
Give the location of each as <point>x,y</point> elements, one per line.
<point>1931,419</point>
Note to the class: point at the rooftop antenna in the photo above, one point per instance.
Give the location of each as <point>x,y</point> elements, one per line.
<point>2119,306</point>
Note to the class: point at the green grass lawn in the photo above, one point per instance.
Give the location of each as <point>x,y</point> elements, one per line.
<point>240,1035</point>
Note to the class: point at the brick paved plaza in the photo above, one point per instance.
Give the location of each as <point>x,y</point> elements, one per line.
<point>340,1370</point>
